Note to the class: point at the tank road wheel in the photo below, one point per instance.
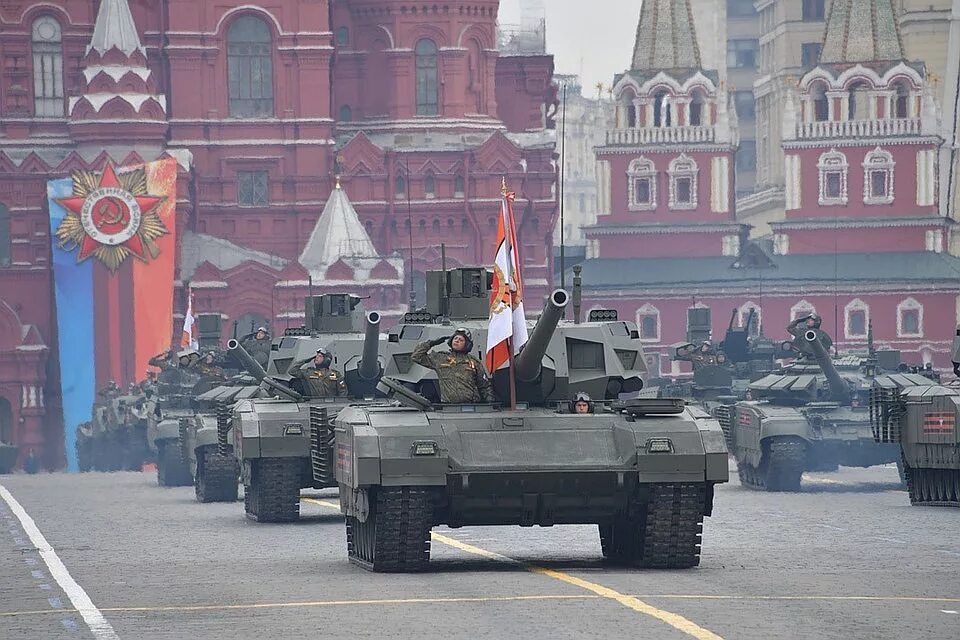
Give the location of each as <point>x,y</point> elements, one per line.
<point>784,464</point>
<point>216,479</point>
<point>274,492</point>
<point>171,471</point>
<point>395,537</point>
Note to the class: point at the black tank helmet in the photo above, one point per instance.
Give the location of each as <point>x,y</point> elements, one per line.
<point>327,358</point>
<point>467,335</point>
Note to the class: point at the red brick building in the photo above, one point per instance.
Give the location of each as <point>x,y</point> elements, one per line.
<point>262,104</point>
<point>862,242</point>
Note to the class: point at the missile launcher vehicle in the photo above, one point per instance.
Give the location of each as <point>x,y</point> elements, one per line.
<point>642,470</point>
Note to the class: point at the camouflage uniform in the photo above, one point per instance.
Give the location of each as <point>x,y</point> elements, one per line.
<point>258,349</point>
<point>463,378</point>
<point>318,383</point>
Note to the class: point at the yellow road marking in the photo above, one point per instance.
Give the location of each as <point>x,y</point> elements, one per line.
<point>674,620</point>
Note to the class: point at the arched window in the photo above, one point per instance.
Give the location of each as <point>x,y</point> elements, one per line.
<point>346,113</point>
<point>856,319</point>
<point>47,46</point>
<point>250,68</point>
<point>662,112</point>
<point>430,186</point>
<point>400,186</point>
<point>833,169</point>
<point>436,226</point>
<point>5,241</point>
<point>642,183</point>
<point>821,104</point>
<point>910,319</point>
<point>629,108</point>
<point>427,87</point>
<point>683,183</point>
<point>901,105</point>
<point>648,323</point>
<point>878,177</point>
<point>859,101</point>
<point>458,186</point>
<point>697,106</point>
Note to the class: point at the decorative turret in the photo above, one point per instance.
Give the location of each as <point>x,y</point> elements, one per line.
<point>119,86</point>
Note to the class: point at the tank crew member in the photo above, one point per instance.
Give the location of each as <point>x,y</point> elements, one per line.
<point>257,344</point>
<point>208,366</point>
<point>582,403</point>
<point>318,379</point>
<point>463,379</point>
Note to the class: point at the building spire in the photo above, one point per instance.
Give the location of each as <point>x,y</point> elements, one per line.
<point>861,31</point>
<point>337,234</point>
<point>666,37</point>
<point>115,28</point>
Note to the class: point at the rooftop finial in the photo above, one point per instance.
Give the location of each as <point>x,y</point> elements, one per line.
<point>503,185</point>
<point>337,184</point>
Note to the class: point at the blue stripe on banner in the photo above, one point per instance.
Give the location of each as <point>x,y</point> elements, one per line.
<point>73,287</point>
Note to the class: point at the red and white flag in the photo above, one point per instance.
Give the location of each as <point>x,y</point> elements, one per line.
<point>508,325</point>
<point>187,339</point>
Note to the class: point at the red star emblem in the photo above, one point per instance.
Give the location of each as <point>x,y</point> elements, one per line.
<point>110,216</point>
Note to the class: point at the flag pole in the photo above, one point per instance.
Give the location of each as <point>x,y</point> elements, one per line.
<point>508,233</point>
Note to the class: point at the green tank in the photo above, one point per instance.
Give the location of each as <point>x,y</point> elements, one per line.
<point>642,470</point>
<point>919,416</point>
<point>811,415</point>
<point>115,439</point>
<point>272,436</point>
<point>169,414</point>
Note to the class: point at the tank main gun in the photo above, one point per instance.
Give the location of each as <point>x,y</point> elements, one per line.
<point>839,389</point>
<point>529,361</point>
<point>369,367</point>
<point>255,369</point>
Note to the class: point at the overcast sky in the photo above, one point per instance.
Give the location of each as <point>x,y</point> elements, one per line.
<point>593,39</point>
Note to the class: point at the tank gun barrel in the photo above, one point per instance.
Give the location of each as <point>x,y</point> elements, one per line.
<point>838,386</point>
<point>529,360</point>
<point>369,365</point>
<point>254,369</point>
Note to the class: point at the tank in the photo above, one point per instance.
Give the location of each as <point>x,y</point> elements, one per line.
<point>168,417</point>
<point>810,415</point>
<point>642,470</point>
<point>8,457</point>
<point>272,436</point>
<point>115,438</point>
<point>919,416</point>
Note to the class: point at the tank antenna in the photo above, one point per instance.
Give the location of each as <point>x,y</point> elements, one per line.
<point>577,292</point>
<point>413,290</point>
<point>563,152</point>
<point>445,303</point>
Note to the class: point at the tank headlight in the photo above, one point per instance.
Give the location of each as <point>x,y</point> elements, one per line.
<point>293,430</point>
<point>425,448</point>
<point>659,445</point>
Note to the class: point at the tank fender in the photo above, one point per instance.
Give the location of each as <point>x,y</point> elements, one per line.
<point>168,429</point>
<point>778,427</point>
<point>715,448</point>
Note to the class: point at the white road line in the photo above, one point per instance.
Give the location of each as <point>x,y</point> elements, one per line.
<point>99,626</point>
<point>953,613</point>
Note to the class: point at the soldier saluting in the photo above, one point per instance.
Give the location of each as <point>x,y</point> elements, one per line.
<point>319,380</point>
<point>463,379</point>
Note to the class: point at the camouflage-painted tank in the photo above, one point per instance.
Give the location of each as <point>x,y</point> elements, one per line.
<point>643,470</point>
<point>272,436</point>
<point>812,415</point>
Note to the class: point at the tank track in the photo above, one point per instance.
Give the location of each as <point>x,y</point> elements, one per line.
<point>396,535</point>
<point>933,487</point>
<point>216,479</point>
<point>782,467</point>
<point>663,534</point>
<point>171,471</point>
<point>274,495</point>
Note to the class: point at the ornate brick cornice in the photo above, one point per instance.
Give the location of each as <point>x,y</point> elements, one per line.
<point>809,224</point>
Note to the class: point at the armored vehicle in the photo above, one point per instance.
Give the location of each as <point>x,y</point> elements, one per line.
<point>116,437</point>
<point>811,415</point>
<point>643,470</point>
<point>271,436</point>
<point>913,412</point>
<point>168,417</point>
<point>8,457</point>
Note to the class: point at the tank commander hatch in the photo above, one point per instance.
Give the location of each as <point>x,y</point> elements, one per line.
<point>463,379</point>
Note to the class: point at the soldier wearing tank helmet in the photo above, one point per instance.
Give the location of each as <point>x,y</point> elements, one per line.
<point>257,345</point>
<point>463,379</point>
<point>319,380</point>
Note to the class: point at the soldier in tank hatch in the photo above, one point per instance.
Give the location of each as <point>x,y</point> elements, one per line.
<point>257,344</point>
<point>463,379</point>
<point>317,377</point>
<point>582,403</point>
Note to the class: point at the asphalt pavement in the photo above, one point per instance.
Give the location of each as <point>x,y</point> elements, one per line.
<point>846,558</point>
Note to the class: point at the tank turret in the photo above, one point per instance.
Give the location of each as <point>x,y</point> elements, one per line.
<point>256,370</point>
<point>334,313</point>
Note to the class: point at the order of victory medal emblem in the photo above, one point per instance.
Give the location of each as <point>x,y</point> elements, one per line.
<point>111,217</point>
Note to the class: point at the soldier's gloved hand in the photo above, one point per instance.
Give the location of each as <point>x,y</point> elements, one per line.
<point>438,341</point>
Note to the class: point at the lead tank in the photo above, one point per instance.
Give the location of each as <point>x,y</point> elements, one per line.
<point>811,415</point>
<point>272,436</point>
<point>643,470</point>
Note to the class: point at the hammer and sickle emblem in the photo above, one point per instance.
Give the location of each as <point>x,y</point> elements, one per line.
<point>108,215</point>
